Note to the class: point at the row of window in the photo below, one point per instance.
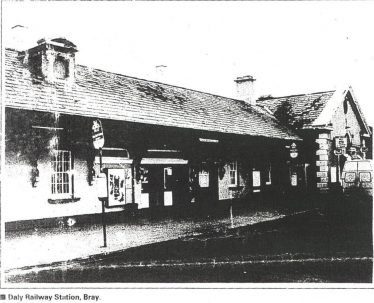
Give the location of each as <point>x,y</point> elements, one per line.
<point>61,176</point>
<point>234,176</point>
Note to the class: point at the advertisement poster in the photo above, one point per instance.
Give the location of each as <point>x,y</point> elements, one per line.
<point>116,187</point>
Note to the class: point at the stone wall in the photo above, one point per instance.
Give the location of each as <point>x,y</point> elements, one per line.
<point>323,160</point>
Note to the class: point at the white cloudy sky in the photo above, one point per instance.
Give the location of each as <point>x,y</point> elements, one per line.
<point>289,47</point>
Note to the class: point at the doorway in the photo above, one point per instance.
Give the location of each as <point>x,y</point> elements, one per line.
<point>165,185</point>
<point>208,185</point>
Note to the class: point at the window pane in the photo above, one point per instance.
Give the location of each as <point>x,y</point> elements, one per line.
<point>66,156</point>
<point>60,178</point>
<point>350,166</point>
<point>364,166</point>
<point>66,178</point>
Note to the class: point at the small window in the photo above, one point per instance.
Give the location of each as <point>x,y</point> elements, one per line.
<point>233,173</point>
<point>61,177</point>
<point>61,68</point>
<point>350,166</point>
<point>364,165</point>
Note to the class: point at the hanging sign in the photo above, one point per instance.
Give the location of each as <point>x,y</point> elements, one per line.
<point>340,142</point>
<point>97,134</point>
<point>293,151</point>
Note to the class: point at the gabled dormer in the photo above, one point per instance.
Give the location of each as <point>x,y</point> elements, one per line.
<point>52,60</point>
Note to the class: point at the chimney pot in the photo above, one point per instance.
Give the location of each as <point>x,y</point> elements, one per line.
<point>160,72</point>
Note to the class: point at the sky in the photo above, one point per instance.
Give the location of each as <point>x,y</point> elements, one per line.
<point>288,47</point>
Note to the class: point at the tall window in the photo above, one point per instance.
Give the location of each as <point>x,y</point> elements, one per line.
<point>233,173</point>
<point>61,178</point>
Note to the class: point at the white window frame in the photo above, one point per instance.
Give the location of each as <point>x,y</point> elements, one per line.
<point>233,172</point>
<point>55,165</point>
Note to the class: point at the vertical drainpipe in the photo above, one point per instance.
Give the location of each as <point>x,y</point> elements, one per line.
<point>133,182</point>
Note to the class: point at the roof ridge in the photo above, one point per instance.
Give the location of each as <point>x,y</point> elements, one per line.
<point>296,95</point>
<point>162,83</point>
<point>219,111</point>
<point>142,79</point>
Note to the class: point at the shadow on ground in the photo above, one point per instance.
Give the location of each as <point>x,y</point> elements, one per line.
<point>330,244</point>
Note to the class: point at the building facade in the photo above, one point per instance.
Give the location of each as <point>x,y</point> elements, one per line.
<point>165,146</point>
<point>333,129</point>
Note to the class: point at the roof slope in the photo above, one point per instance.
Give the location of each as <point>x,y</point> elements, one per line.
<point>302,110</point>
<point>106,95</point>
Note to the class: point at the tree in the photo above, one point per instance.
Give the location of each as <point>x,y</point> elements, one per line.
<point>284,113</point>
<point>265,97</point>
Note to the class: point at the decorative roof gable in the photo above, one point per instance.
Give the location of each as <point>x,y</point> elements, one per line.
<point>310,110</point>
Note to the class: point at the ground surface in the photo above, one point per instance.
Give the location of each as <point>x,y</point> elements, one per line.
<point>331,244</point>
<point>46,245</point>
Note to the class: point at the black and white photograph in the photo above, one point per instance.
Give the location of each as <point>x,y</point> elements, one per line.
<point>208,144</point>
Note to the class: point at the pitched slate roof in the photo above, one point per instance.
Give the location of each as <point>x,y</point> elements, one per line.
<point>107,95</point>
<point>302,110</point>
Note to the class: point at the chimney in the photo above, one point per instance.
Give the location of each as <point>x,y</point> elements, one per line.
<point>160,73</point>
<point>52,60</point>
<point>245,90</point>
<point>19,38</point>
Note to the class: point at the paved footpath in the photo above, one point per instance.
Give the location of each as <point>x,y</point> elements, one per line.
<point>47,245</point>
